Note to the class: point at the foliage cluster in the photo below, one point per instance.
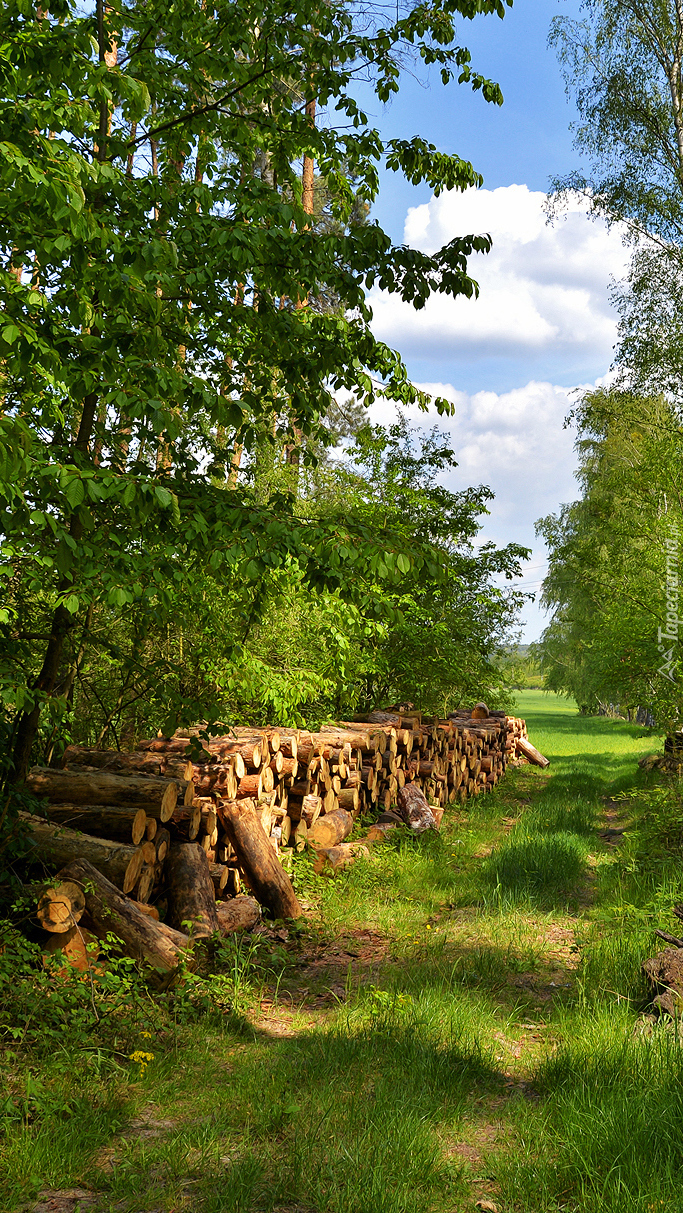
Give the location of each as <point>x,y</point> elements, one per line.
<point>614,559</point>
<point>622,66</point>
<point>179,325</point>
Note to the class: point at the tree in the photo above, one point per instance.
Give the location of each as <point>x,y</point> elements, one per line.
<point>614,561</point>
<point>623,64</point>
<point>152,223</point>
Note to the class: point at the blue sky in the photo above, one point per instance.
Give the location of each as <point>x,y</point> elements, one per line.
<point>543,325</point>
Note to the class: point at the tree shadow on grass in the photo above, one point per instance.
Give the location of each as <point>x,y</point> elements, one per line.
<point>339,1119</point>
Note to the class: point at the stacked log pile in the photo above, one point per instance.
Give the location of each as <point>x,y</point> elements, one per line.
<point>191,825</point>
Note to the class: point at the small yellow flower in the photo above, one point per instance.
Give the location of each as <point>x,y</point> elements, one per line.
<point>141,1059</point>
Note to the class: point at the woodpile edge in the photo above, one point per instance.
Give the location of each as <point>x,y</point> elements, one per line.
<point>182,838</point>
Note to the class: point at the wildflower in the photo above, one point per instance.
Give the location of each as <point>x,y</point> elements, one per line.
<point>141,1059</point>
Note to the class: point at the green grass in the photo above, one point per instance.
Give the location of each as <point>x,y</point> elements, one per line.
<point>460,1020</point>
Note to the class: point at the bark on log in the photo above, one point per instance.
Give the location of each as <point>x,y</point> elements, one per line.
<point>189,886</point>
<point>258,861</point>
<point>219,779</point>
<point>307,809</point>
<point>111,760</point>
<point>413,808</point>
<point>111,913</point>
<point>335,859</point>
<point>529,751</point>
<point>349,799</point>
<point>158,796</point>
<point>219,876</point>
<point>250,787</point>
<point>237,914</point>
<point>120,823</point>
<point>57,845</point>
<point>334,827</point>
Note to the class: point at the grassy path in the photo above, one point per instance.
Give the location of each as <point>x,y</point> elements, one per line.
<point>457,1023</point>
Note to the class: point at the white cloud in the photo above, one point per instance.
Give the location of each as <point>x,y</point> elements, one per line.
<point>516,443</point>
<point>543,288</point>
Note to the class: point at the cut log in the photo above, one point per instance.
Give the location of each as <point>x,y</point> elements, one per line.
<point>145,883</point>
<point>250,787</point>
<point>109,913</point>
<point>219,779</point>
<point>158,796</point>
<point>56,845</point>
<point>335,859</point>
<point>76,756</point>
<point>307,809</point>
<point>237,914</point>
<point>529,751</point>
<point>120,823</point>
<point>191,897</point>
<point>349,799</point>
<point>258,861</point>
<point>162,841</point>
<point>219,876</point>
<point>331,829</point>
<point>60,907</point>
<point>413,808</point>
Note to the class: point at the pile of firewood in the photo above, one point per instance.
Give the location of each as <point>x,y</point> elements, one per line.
<point>186,823</point>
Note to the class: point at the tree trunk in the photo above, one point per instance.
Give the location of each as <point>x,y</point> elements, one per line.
<point>334,827</point>
<point>125,764</point>
<point>258,860</point>
<point>157,796</point>
<point>56,845</point>
<point>413,808</point>
<point>529,751</point>
<point>191,898</point>
<point>335,859</point>
<point>124,823</point>
<point>110,913</point>
<point>237,914</point>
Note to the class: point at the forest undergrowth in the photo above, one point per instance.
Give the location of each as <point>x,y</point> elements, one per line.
<point>460,1018</point>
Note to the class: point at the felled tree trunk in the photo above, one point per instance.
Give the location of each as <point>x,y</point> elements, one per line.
<point>258,860</point>
<point>123,823</point>
<point>57,845</point>
<point>158,796</point>
<point>191,897</point>
<point>331,829</point>
<point>109,913</point>
<point>413,808</point>
<point>529,751</point>
<point>237,914</point>
<point>335,859</point>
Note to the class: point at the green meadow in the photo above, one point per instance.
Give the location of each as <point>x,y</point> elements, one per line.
<point>461,1019</point>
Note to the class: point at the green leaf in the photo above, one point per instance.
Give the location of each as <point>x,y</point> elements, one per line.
<point>75,492</point>
<point>72,604</point>
<point>163,496</point>
<point>403,563</point>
